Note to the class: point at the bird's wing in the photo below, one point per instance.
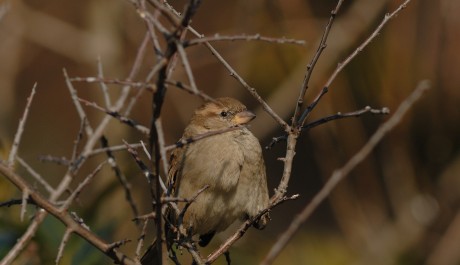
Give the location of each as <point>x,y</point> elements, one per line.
<point>175,168</point>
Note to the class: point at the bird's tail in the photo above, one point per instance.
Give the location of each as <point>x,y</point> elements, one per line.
<point>151,256</point>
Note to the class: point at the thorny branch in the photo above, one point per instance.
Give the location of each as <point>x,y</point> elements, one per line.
<point>341,173</point>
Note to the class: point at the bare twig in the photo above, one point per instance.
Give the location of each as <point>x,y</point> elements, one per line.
<point>63,216</point>
<point>141,239</point>
<point>118,116</point>
<point>114,148</point>
<point>311,65</point>
<point>188,89</point>
<point>20,130</point>
<point>148,86</point>
<point>144,217</point>
<point>243,228</point>
<point>66,180</point>
<point>234,74</point>
<point>63,161</point>
<point>342,65</point>
<point>186,141</point>
<point>187,67</point>
<point>117,244</point>
<point>120,176</point>
<point>340,115</point>
<point>35,175</point>
<point>105,90</point>
<point>189,202</point>
<point>78,107</point>
<point>342,172</point>
<point>74,160</point>
<point>329,118</point>
<point>80,187</point>
<point>65,239</point>
<point>24,239</point>
<point>250,89</point>
<point>16,202</point>
<point>145,170</point>
<point>257,37</point>
<point>25,197</point>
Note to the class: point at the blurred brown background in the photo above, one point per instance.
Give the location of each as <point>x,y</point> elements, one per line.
<point>399,207</point>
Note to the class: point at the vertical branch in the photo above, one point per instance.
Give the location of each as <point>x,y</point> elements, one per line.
<point>311,65</point>
<point>65,239</point>
<point>81,113</point>
<point>156,141</point>
<point>105,91</point>
<point>20,130</point>
<point>121,178</point>
<point>280,191</point>
<point>25,196</point>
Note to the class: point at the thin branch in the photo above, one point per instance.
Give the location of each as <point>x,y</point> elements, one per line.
<point>156,138</point>
<point>16,202</point>
<point>189,203</point>
<point>165,12</point>
<point>142,85</point>
<point>25,238</point>
<point>340,115</point>
<point>105,90</point>
<point>256,37</point>
<point>288,159</point>
<point>186,141</point>
<point>63,161</point>
<point>250,89</point>
<point>342,172</point>
<point>25,197</point>
<point>35,175</point>
<point>187,67</point>
<point>342,65</point>
<point>65,239</point>
<point>117,244</point>
<point>118,116</point>
<point>80,187</point>
<point>188,89</point>
<point>20,130</point>
<point>73,94</point>
<point>66,180</point>
<point>120,176</point>
<point>141,239</point>
<point>114,148</point>
<point>234,74</point>
<point>312,64</point>
<point>145,170</point>
<point>144,217</point>
<point>196,256</point>
<point>74,160</point>
<point>329,118</point>
<point>243,229</point>
<point>63,216</point>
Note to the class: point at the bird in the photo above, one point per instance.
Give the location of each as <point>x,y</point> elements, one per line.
<point>228,167</point>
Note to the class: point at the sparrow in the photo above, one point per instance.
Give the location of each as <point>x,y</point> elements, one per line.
<point>229,167</point>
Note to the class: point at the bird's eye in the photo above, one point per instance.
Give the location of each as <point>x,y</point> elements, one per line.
<point>224,114</point>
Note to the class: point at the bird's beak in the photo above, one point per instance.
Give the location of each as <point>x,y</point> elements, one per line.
<point>243,117</point>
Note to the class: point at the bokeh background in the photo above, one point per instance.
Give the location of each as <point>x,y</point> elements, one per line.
<point>401,206</point>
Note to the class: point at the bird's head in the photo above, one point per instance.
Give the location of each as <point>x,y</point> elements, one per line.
<point>220,114</point>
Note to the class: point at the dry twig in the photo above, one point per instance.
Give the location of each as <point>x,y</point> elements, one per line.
<point>341,173</point>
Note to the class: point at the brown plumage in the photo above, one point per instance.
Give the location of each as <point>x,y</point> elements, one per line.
<point>231,164</point>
